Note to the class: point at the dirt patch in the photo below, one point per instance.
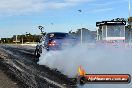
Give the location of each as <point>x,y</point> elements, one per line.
<point>6,82</point>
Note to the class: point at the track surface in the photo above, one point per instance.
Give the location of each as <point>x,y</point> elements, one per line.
<point>6,82</point>
<point>21,63</point>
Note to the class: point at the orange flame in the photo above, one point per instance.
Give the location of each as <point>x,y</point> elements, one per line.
<point>81,71</point>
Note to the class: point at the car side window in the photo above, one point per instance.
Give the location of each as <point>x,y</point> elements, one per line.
<point>46,40</point>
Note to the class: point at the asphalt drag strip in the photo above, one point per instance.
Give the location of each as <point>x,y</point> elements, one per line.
<point>21,64</point>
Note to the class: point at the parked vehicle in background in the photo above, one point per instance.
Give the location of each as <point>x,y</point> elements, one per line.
<point>54,41</point>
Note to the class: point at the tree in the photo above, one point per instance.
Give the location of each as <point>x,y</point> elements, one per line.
<point>41,28</point>
<point>130,19</point>
<point>119,19</point>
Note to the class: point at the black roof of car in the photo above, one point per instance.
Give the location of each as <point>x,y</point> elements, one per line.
<point>56,32</point>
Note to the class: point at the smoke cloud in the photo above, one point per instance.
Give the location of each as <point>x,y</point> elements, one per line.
<point>99,60</point>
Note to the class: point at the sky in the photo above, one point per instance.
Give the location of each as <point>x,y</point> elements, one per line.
<point>21,16</point>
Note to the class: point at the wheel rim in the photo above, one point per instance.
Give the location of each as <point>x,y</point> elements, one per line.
<point>36,53</point>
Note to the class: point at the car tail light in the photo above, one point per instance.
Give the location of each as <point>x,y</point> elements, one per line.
<point>53,43</point>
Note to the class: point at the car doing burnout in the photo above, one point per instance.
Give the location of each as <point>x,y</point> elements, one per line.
<point>54,41</point>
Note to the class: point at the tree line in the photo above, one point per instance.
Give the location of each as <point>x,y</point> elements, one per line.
<point>87,34</point>
<point>21,39</point>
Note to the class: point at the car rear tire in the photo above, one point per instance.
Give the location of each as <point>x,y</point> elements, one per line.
<point>37,54</point>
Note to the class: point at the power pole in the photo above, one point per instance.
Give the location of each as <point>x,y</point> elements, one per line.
<point>16,39</point>
<point>129,18</point>
<point>129,8</point>
<point>81,36</point>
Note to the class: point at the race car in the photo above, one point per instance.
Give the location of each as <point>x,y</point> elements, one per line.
<point>54,41</point>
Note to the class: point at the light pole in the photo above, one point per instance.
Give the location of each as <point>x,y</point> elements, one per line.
<point>81,29</point>
<point>52,24</point>
<point>129,18</point>
<point>129,8</point>
<point>130,35</point>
